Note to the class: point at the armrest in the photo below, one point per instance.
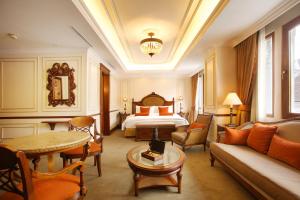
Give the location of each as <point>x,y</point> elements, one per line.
<point>182,128</point>
<point>220,136</point>
<point>77,165</point>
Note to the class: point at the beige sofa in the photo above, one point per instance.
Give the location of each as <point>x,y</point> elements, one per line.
<point>265,177</point>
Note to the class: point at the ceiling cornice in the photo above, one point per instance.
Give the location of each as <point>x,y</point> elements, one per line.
<point>268,18</point>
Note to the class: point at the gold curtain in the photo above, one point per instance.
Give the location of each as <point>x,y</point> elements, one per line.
<point>194,80</point>
<point>246,75</point>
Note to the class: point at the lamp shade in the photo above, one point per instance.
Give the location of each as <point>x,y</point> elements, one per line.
<point>124,99</point>
<point>232,99</point>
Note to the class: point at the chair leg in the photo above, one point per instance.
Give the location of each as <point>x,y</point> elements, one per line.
<point>95,161</point>
<point>65,162</point>
<point>71,160</point>
<point>98,160</point>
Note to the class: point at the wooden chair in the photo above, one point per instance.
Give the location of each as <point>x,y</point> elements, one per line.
<point>185,136</point>
<point>95,147</point>
<point>19,182</point>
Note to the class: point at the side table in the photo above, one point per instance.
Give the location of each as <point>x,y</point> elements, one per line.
<point>122,117</point>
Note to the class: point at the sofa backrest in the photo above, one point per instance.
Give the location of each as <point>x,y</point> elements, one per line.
<point>288,129</point>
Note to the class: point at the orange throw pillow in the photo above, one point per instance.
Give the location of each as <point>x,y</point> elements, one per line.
<point>285,150</point>
<point>196,125</point>
<point>141,114</point>
<point>260,137</point>
<point>165,114</point>
<point>145,110</point>
<point>163,110</point>
<point>237,137</point>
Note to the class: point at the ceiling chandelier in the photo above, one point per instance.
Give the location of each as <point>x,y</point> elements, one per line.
<point>151,46</point>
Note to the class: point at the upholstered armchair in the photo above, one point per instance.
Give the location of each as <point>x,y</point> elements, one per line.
<point>20,182</point>
<point>194,134</point>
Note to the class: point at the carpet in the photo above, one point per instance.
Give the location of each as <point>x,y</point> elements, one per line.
<point>199,181</point>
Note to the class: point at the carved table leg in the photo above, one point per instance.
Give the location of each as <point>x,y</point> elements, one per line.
<point>35,162</point>
<point>136,184</point>
<point>179,178</point>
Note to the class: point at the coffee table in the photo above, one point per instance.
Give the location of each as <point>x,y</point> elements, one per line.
<point>146,174</point>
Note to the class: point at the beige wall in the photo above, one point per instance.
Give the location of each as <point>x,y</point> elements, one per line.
<point>23,80</point>
<point>224,82</point>
<point>170,87</point>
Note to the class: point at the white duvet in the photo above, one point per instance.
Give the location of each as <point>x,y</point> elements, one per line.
<point>132,120</point>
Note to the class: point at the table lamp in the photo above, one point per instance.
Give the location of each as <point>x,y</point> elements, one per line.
<point>231,100</point>
<point>180,99</point>
<point>124,100</point>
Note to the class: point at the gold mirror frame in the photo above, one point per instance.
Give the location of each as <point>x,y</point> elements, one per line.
<point>58,70</point>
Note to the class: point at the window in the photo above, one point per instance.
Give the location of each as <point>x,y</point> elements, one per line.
<point>269,75</point>
<point>291,69</point>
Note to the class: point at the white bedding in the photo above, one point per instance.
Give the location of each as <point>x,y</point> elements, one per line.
<point>132,120</point>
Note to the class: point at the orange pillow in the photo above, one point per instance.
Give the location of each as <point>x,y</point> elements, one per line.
<point>141,114</point>
<point>145,109</point>
<point>260,137</point>
<point>165,114</point>
<point>196,125</point>
<point>163,110</point>
<point>237,137</point>
<point>285,150</point>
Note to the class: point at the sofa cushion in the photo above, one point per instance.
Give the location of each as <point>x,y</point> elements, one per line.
<point>289,130</point>
<point>260,137</point>
<point>286,151</point>
<point>275,178</point>
<point>237,137</point>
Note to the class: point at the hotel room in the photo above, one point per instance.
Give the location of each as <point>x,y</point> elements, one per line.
<point>148,99</point>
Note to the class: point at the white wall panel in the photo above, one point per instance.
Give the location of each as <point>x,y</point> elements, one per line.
<point>17,130</point>
<point>18,92</point>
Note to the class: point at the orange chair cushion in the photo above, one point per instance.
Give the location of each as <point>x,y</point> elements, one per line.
<point>62,187</point>
<point>236,137</point>
<point>163,110</point>
<point>94,147</point>
<point>260,137</point>
<point>141,114</point>
<point>144,109</point>
<point>285,150</point>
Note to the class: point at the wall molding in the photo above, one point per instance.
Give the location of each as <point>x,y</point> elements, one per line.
<point>268,18</point>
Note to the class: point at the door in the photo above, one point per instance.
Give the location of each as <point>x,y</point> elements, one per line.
<point>104,100</point>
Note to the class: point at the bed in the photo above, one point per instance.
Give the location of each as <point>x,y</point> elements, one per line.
<point>130,124</point>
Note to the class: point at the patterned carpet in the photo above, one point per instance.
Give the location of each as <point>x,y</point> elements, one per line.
<point>200,181</point>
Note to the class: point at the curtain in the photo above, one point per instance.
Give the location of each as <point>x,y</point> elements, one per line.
<point>194,80</point>
<point>246,75</point>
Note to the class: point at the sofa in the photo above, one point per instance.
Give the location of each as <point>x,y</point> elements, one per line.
<point>263,176</point>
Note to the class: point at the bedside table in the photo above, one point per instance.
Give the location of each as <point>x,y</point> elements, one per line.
<point>122,117</point>
<point>221,129</point>
<point>184,115</point>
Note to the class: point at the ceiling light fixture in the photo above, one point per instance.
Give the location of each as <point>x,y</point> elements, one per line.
<point>151,45</point>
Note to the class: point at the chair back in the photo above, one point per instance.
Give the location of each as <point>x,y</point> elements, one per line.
<point>82,124</point>
<point>12,162</point>
<point>206,120</point>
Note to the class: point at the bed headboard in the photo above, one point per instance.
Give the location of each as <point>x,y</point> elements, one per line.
<point>152,100</point>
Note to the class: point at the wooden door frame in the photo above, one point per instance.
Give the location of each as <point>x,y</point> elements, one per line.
<point>104,99</point>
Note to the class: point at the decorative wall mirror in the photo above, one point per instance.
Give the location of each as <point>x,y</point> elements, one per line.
<point>61,85</point>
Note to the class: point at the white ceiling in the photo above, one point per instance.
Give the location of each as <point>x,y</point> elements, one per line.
<point>51,24</point>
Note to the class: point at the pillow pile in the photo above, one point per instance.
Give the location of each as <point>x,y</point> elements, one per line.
<point>164,110</point>
<point>263,139</point>
<point>144,111</point>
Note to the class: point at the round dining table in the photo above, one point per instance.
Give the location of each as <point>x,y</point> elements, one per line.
<point>48,143</point>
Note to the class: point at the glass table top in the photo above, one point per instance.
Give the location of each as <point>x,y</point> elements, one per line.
<point>171,155</point>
